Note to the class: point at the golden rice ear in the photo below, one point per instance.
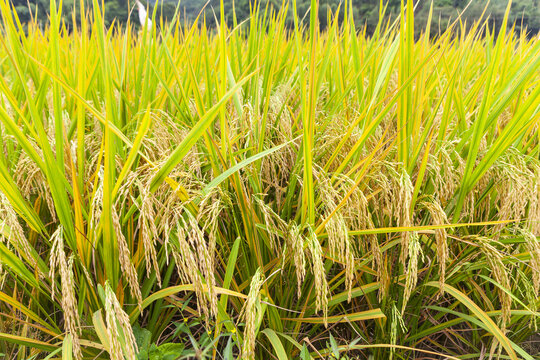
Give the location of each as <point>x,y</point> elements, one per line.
<point>250,314</point>
<point>149,232</point>
<point>382,204</point>
<point>276,170</point>
<point>411,271</point>
<point>380,266</point>
<point>396,318</point>
<point>9,224</point>
<point>446,168</point>
<point>339,242</point>
<point>468,213</point>
<point>273,222</point>
<point>356,210</point>
<point>73,327</point>
<point>404,190</point>
<point>277,167</point>
<point>533,218</point>
<point>284,129</point>
<point>500,273</point>
<point>397,192</point>
<point>358,216</point>
<point>205,260</point>
<point>68,300</point>
<point>317,266</point>
<point>531,296</point>
<point>533,247</point>
<point>516,181</point>
<point>211,208</point>
<point>187,265</point>
<point>31,180</point>
<point>92,145</point>
<point>295,247</point>
<point>194,262</point>
<point>118,323</point>
<point>125,259</point>
<point>438,216</point>
<point>96,204</point>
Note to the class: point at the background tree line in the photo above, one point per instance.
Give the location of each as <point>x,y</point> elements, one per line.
<point>525,13</point>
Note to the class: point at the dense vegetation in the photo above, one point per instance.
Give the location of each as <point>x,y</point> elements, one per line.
<point>524,13</point>
<point>289,193</point>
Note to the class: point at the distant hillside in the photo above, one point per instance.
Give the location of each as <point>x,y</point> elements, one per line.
<point>366,12</point>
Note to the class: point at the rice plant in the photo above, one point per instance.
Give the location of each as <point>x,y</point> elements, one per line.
<point>264,192</point>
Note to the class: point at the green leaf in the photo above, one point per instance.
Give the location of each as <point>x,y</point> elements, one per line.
<point>480,314</point>
<point>67,348</point>
<point>101,330</point>
<point>31,343</point>
<point>143,337</point>
<point>304,354</point>
<point>358,316</point>
<point>224,175</point>
<point>334,346</point>
<point>171,351</point>
<point>276,343</point>
<point>191,138</point>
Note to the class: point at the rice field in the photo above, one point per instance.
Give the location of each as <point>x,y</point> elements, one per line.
<point>263,192</point>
